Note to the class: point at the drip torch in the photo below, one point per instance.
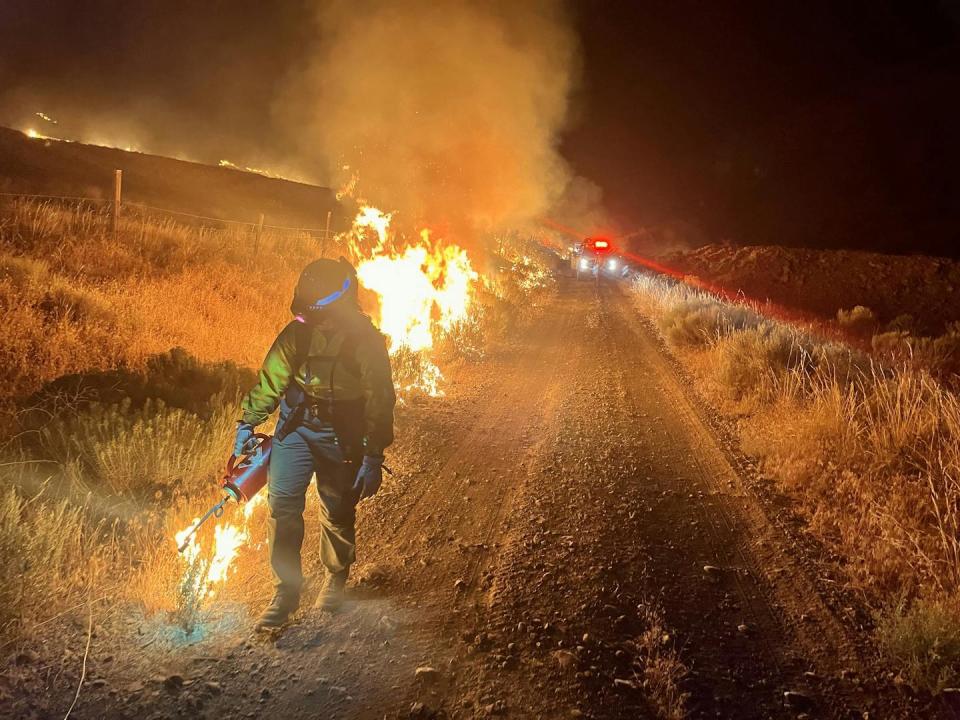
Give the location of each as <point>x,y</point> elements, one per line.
<point>245,477</point>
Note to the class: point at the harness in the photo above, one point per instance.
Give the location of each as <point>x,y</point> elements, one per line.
<point>345,415</point>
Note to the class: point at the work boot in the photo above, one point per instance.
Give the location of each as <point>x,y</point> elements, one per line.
<point>333,590</point>
<point>278,612</point>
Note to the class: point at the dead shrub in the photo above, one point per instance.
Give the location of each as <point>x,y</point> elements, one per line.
<point>661,669</point>
<point>466,339</point>
<point>414,372</point>
<point>501,317</point>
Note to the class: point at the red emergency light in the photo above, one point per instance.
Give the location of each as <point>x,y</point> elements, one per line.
<point>599,245</point>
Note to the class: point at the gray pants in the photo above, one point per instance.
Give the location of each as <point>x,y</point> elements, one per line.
<point>293,462</point>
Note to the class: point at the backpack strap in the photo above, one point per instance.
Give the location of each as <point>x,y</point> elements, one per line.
<point>295,397</point>
<point>348,354</point>
<point>302,340</point>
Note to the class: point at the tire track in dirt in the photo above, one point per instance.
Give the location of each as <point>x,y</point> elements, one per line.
<point>772,574</point>
<point>554,643</point>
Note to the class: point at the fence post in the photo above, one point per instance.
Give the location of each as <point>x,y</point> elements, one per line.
<point>326,233</point>
<point>117,187</point>
<point>256,242</point>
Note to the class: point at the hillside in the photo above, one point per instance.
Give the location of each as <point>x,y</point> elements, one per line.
<point>53,167</point>
<point>821,282</point>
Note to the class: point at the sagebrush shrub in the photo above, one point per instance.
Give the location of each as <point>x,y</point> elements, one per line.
<point>923,639</point>
<point>134,453</point>
<point>750,360</point>
<point>859,320</point>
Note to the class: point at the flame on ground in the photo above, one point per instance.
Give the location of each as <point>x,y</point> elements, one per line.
<point>377,221</point>
<point>35,134</point>
<point>266,172</point>
<point>203,577</point>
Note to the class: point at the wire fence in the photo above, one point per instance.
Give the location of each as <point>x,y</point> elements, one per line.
<point>323,237</point>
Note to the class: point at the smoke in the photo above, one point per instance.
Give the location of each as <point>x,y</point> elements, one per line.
<point>448,112</point>
<point>189,79</point>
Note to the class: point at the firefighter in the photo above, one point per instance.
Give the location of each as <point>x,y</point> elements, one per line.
<point>329,372</point>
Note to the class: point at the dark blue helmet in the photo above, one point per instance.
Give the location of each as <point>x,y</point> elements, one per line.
<point>325,285</point>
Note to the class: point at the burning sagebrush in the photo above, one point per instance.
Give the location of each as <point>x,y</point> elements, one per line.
<point>424,290</point>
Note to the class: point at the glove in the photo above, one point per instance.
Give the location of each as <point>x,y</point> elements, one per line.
<point>244,438</point>
<point>369,477</point>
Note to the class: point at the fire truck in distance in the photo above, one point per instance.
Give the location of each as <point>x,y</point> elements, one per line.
<point>597,256</point>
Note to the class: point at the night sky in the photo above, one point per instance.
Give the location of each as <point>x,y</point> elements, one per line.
<point>829,124</point>
<point>805,123</point>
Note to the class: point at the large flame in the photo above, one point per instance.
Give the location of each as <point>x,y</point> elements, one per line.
<point>424,289</point>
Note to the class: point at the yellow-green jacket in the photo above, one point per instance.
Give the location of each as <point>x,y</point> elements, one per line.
<point>346,360</point>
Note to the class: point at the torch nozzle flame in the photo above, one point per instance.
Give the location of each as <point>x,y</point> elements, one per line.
<point>215,511</point>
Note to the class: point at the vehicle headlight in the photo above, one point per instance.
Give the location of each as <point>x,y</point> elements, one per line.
<point>612,264</point>
<point>584,264</point>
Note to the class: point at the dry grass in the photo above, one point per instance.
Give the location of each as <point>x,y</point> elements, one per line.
<point>938,355</point>
<point>870,447</point>
<point>75,300</point>
<point>661,671</point>
<point>117,441</point>
<point>51,552</point>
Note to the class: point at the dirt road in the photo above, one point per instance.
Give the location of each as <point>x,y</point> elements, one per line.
<point>562,489</point>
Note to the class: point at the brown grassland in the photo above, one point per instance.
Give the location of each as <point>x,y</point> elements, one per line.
<point>117,404</point>
<point>124,359</point>
<point>867,443</point>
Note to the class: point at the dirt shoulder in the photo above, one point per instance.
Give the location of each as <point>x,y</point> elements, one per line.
<point>566,498</point>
